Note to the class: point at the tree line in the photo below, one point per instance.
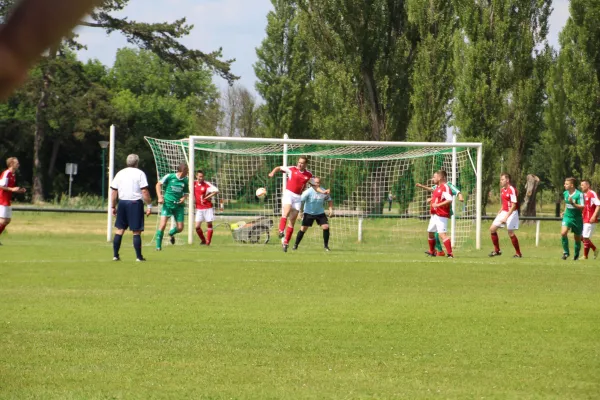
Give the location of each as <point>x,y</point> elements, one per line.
<point>331,69</point>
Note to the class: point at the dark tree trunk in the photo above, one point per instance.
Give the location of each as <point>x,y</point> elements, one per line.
<point>376,114</point>
<point>529,203</point>
<point>40,130</point>
<point>53,157</point>
<point>558,201</point>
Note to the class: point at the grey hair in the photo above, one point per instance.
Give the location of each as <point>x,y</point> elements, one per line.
<point>133,160</point>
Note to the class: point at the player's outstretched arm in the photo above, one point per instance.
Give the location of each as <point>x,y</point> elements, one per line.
<point>275,170</point>
<point>424,187</point>
<point>32,27</point>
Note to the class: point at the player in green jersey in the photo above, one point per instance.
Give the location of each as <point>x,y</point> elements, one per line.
<point>455,192</point>
<point>572,218</point>
<point>172,191</point>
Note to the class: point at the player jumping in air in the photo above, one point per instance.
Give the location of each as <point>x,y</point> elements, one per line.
<point>176,190</point>
<point>441,201</point>
<point>203,192</point>
<point>508,217</point>
<point>590,218</point>
<point>572,218</point>
<point>297,178</point>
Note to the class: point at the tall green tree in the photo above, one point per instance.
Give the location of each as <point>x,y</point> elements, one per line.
<point>432,78</point>
<point>580,62</point>
<point>374,43</point>
<point>557,139</point>
<point>499,78</point>
<point>284,70</point>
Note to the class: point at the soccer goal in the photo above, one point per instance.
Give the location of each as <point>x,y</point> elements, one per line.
<point>373,186</point>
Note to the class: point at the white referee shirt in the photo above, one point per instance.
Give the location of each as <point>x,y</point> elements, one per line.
<point>129,182</point>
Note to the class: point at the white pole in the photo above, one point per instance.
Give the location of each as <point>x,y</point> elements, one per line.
<point>111,175</point>
<point>284,161</point>
<point>453,218</point>
<point>537,232</point>
<point>479,196</point>
<point>191,174</point>
<point>360,222</point>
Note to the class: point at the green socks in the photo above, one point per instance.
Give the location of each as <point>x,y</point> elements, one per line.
<point>577,248</point>
<point>565,244</point>
<point>172,231</point>
<point>438,244</point>
<point>159,237</point>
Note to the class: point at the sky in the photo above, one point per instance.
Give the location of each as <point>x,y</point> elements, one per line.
<point>238,26</point>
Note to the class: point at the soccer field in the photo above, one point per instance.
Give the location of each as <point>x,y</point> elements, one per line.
<point>249,322</point>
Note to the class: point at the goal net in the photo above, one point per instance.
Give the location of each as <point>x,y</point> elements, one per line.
<point>373,187</point>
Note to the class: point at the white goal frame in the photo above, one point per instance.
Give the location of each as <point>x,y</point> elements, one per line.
<point>286,141</point>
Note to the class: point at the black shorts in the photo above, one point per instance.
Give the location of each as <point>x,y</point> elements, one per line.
<point>309,219</point>
<point>130,214</point>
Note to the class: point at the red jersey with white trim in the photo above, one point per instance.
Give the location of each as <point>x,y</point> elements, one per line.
<point>201,190</point>
<point>590,202</point>
<point>440,194</point>
<point>296,179</point>
<point>7,179</point>
<point>508,197</point>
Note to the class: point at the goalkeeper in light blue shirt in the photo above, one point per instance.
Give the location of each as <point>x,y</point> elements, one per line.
<point>314,210</point>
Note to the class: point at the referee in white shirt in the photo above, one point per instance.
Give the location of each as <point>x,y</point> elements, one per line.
<point>131,186</point>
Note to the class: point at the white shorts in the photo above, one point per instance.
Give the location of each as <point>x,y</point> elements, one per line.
<point>207,215</point>
<point>292,198</point>
<point>438,224</point>
<point>512,224</point>
<point>6,212</point>
<point>588,230</point>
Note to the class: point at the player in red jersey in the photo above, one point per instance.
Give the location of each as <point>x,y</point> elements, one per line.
<point>297,178</point>
<point>508,217</point>
<point>441,200</point>
<point>590,218</point>
<point>203,192</point>
<point>8,186</point>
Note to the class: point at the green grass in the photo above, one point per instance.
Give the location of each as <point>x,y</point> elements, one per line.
<point>250,322</point>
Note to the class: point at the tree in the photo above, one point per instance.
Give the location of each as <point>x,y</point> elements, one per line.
<point>580,67</point>
<point>284,70</point>
<point>160,38</point>
<point>432,78</point>
<point>499,78</point>
<point>240,114</point>
<point>374,43</point>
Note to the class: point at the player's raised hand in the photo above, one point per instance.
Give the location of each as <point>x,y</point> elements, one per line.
<point>271,174</point>
<point>327,191</point>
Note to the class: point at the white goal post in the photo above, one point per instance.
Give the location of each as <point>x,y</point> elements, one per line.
<point>360,175</point>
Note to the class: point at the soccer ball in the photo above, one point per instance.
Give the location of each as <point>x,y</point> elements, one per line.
<point>261,192</point>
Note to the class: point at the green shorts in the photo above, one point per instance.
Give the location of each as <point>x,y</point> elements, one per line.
<point>175,210</point>
<point>575,225</point>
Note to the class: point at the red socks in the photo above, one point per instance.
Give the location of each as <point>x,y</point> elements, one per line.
<point>288,234</point>
<point>515,243</point>
<point>2,228</point>
<point>201,235</point>
<point>282,223</point>
<point>448,246</point>
<point>431,246</point>
<point>209,233</point>
<point>496,242</point>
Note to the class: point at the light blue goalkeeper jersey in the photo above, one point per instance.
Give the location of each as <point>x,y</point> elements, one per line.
<point>314,201</point>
